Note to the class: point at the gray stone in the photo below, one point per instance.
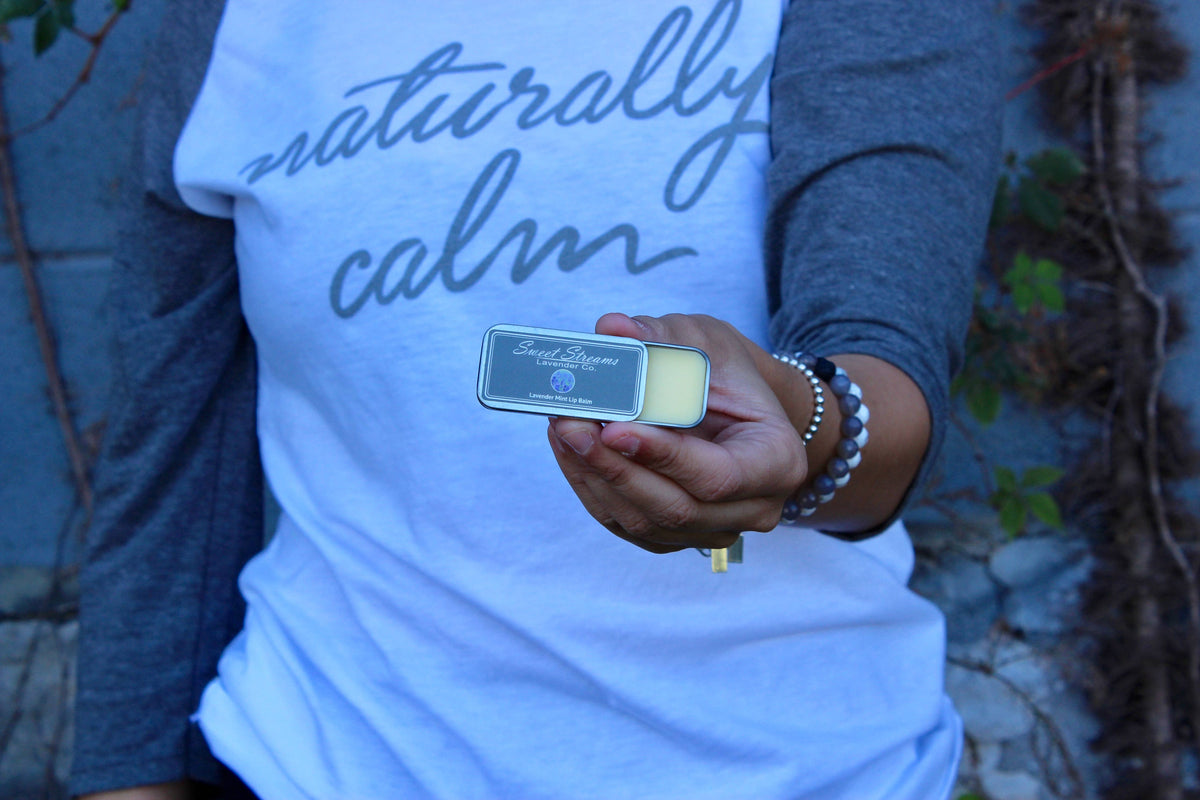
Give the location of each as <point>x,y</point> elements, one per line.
<point>1036,560</point>
<point>973,532</point>
<point>1036,613</point>
<point>26,591</point>
<point>1067,711</point>
<point>1056,750</point>
<point>988,755</point>
<point>965,592</point>
<point>1031,671</point>
<point>23,589</point>
<point>37,680</point>
<point>977,757</point>
<point>1043,577</point>
<point>999,785</point>
<point>990,710</point>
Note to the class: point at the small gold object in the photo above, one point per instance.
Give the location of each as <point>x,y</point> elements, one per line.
<point>724,556</point>
<point>720,559</point>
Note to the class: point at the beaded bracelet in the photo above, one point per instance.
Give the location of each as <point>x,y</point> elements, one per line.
<point>848,452</point>
<point>814,423</point>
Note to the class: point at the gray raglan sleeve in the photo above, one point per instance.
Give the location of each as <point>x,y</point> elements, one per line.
<point>178,485</point>
<point>885,134</point>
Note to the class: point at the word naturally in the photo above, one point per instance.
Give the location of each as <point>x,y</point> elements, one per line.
<point>590,100</point>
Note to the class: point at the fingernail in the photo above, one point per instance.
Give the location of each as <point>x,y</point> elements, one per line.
<point>627,445</point>
<point>579,441</point>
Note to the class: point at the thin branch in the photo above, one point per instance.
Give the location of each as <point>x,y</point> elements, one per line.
<point>37,310</point>
<point>58,738</point>
<point>95,41</point>
<point>977,452</point>
<point>1044,720</point>
<point>1052,70</point>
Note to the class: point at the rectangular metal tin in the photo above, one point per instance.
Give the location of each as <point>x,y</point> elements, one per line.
<point>544,371</point>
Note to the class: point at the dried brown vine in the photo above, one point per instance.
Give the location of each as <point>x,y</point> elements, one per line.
<point>52,609</point>
<point>15,228</point>
<point>1144,602</point>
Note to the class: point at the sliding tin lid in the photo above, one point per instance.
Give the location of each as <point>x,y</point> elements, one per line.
<point>543,371</point>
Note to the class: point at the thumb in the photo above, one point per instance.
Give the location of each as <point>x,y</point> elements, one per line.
<point>643,328</point>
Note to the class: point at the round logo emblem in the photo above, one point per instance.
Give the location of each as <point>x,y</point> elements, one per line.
<point>562,380</point>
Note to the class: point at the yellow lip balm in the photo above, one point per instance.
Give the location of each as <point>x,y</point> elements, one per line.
<point>676,386</point>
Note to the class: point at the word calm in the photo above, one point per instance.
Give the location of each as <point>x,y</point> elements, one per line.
<point>348,296</point>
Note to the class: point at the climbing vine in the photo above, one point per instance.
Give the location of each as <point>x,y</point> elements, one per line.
<point>1067,320</point>
<point>1144,607</point>
<point>1019,298</point>
<point>49,20</point>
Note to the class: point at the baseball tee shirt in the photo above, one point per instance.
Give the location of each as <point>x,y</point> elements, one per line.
<point>436,614</point>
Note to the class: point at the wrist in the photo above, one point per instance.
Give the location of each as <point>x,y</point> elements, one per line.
<point>899,435</point>
<point>795,392</point>
<point>835,428</point>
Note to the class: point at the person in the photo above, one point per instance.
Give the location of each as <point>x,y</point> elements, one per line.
<point>332,203</point>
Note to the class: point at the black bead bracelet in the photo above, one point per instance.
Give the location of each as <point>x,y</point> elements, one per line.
<point>848,451</point>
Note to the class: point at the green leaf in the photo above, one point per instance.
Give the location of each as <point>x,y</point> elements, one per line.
<point>14,9</point>
<point>1024,297</point>
<point>45,31</point>
<point>1021,269</point>
<point>1040,476</point>
<point>966,382</point>
<point>983,401</point>
<point>1041,205</point>
<point>1043,506</point>
<point>1012,516</point>
<point>121,5</point>
<point>1057,166</point>
<point>1048,270</point>
<point>1052,297</point>
<point>1006,479</point>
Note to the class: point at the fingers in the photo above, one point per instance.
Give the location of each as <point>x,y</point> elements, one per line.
<point>745,460</point>
<point>646,507</point>
<point>664,489</point>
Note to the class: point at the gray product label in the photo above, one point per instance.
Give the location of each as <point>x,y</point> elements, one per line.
<point>563,373</point>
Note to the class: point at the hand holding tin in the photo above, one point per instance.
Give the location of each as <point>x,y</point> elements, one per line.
<point>667,489</point>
